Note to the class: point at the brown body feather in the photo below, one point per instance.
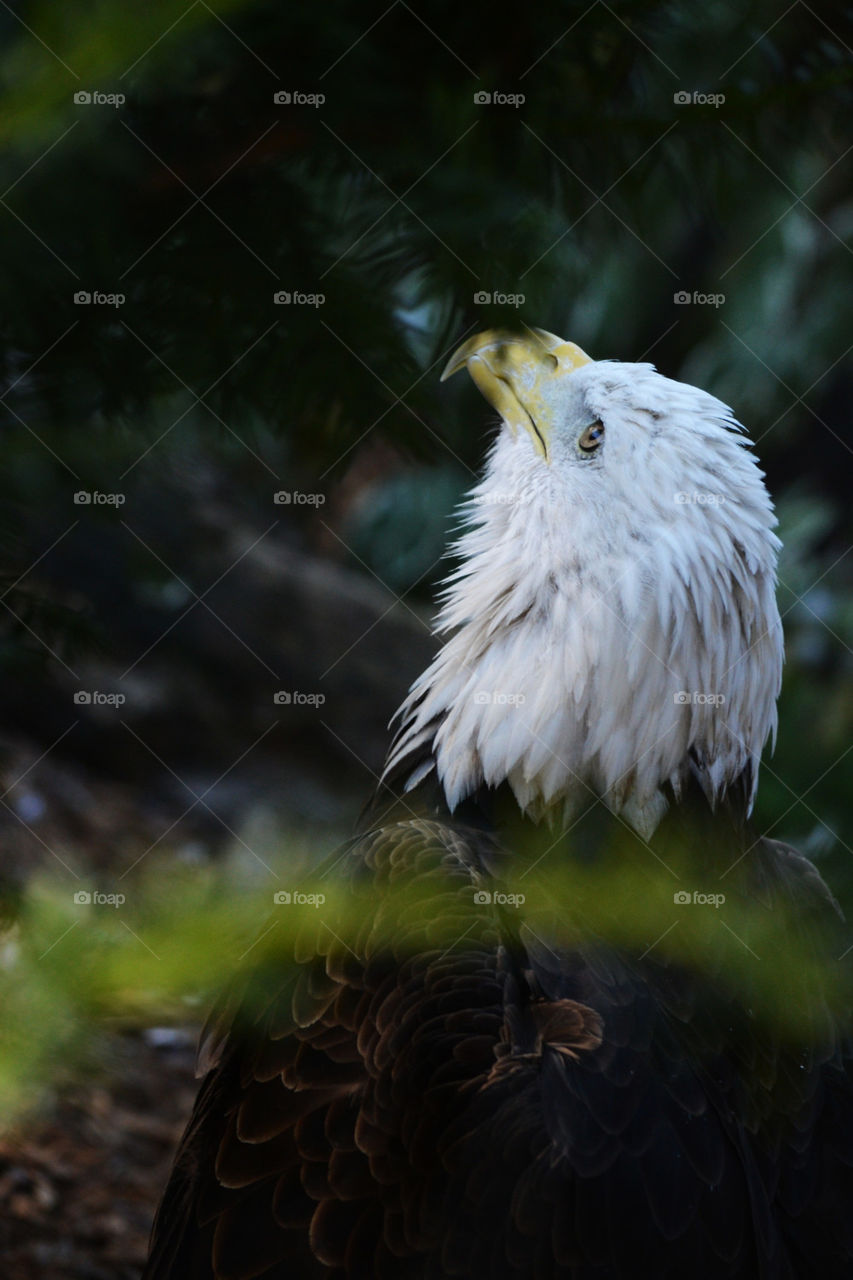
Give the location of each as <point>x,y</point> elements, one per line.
<point>405,1106</point>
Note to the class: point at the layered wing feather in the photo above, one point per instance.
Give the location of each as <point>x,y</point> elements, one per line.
<point>450,1094</point>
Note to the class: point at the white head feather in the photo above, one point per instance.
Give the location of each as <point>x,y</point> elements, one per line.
<point>613,624</point>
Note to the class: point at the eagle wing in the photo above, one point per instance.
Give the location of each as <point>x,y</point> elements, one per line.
<point>451,1094</point>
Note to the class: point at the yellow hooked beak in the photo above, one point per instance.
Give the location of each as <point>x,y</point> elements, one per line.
<point>520,374</point>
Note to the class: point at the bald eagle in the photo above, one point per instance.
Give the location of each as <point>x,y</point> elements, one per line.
<point>458,1088</point>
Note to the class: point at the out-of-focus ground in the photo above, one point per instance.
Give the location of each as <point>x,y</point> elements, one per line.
<point>78,1183</point>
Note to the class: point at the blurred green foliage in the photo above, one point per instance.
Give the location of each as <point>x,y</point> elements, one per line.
<point>399,198</point>
<point>174,941</point>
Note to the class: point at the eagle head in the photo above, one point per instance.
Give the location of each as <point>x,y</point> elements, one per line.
<point>612,627</point>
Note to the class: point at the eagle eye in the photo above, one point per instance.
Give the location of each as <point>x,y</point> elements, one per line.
<point>592,436</point>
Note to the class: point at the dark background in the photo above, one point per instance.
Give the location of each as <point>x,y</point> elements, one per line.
<point>385,188</point>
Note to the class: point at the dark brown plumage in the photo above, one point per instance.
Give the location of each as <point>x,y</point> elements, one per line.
<point>497,1106</point>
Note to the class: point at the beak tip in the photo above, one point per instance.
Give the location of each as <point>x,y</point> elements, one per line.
<point>454,364</point>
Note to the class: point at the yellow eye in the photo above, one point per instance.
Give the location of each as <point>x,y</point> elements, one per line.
<point>592,436</point>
